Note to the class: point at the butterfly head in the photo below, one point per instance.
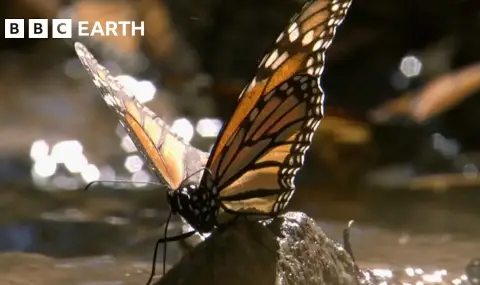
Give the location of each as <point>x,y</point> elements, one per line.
<point>199,208</point>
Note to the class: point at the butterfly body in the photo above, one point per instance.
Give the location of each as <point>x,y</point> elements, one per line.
<point>254,161</point>
<point>199,207</point>
<point>268,177</point>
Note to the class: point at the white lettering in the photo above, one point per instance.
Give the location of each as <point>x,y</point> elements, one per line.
<point>97,29</point>
<point>124,25</point>
<point>141,28</point>
<point>83,29</point>
<point>111,28</point>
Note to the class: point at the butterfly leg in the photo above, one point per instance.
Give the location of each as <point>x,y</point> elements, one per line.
<point>164,241</point>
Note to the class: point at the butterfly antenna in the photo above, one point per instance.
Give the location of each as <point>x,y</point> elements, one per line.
<point>118,181</point>
<point>195,173</point>
<point>208,170</point>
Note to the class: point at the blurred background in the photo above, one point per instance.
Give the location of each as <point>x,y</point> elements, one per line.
<point>398,150</point>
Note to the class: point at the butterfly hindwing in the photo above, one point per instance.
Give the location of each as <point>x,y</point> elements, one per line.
<point>171,159</point>
<point>256,169</point>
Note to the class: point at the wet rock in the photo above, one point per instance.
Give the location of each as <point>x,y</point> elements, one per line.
<point>290,249</point>
<point>473,271</point>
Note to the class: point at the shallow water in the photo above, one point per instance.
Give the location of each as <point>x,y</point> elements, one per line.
<point>107,236</point>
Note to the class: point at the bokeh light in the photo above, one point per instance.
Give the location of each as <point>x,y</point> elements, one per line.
<point>45,167</point>
<point>39,150</point>
<point>133,163</point>
<point>64,150</point>
<point>139,177</point>
<point>410,66</point>
<point>127,144</point>
<point>208,127</point>
<point>90,173</point>
<point>143,91</point>
<point>183,128</point>
<point>76,162</point>
<point>107,173</point>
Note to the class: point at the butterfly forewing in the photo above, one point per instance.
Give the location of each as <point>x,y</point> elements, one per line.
<point>262,146</point>
<point>300,48</point>
<point>302,44</point>
<point>170,158</point>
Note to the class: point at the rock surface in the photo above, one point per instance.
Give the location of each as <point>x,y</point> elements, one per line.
<point>290,249</point>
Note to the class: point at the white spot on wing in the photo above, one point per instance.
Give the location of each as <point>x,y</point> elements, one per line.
<point>307,38</point>
<point>280,60</point>
<point>280,37</point>
<point>273,56</point>
<point>318,45</point>
<point>310,62</point>
<point>293,32</point>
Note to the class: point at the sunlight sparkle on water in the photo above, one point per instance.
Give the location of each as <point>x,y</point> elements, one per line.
<point>133,163</point>
<point>62,150</point>
<point>435,277</point>
<point>457,281</point>
<point>45,167</point>
<point>143,91</point>
<point>107,173</point>
<point>70,153</point>
<point>139,178</point>
<point>127,144</point>
<point>90,173</point>
<point>183,128</point>
<point>410,272</point>
<point>384,273</point>
<point>39,150</point>
<point>411,276</point>
<point>76,162</point>
<point>209,127</point>
<point>128,82</point>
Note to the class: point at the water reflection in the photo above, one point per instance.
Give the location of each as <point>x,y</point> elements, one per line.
<point>117,228</point>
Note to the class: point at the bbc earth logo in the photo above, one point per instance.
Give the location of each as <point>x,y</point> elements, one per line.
<point>65,28</point>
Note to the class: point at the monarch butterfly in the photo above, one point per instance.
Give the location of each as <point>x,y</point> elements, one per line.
<point>260,149</point>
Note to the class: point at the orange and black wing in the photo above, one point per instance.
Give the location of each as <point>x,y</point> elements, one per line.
<point>261,148</point>
<point>300,48</point>
<point>171,159</point>
<point>256,172</point>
